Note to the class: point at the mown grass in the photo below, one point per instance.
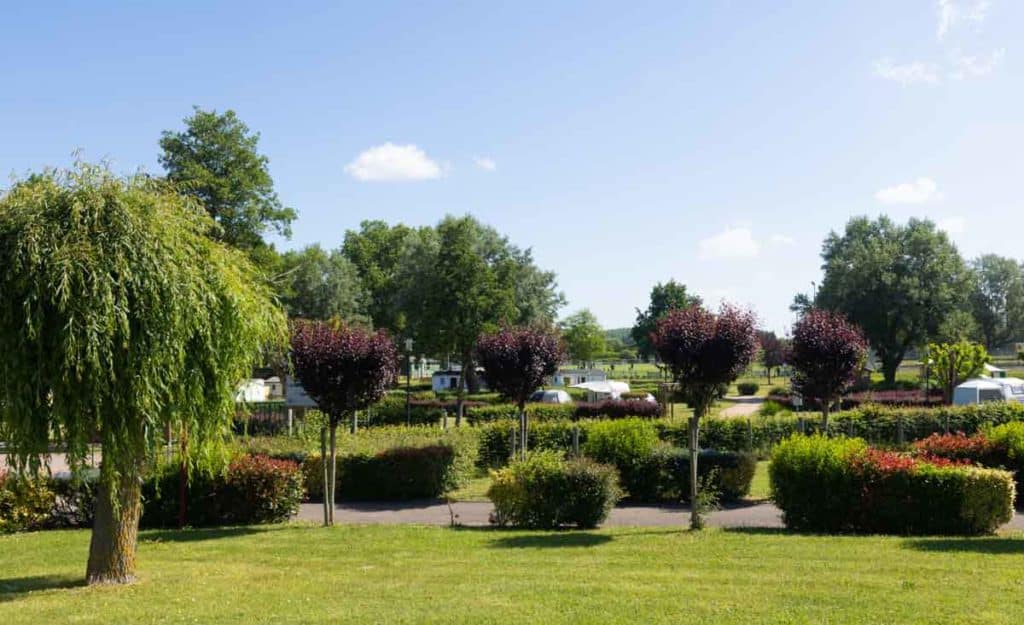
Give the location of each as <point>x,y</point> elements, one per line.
<point>381,574</point>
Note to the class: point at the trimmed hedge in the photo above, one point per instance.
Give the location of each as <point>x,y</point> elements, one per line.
<point>399,473</point>
<point>841,485</point>
<point>748,388</point>
<point>546,491</point>
<point>1001,447</point>
<point>253,490</point>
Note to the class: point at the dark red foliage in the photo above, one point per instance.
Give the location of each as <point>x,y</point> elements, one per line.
<point>773,349</point>
<point>881,463</point>
<point>960,447</point>
<point>826,353</point>
<point>618,409</point>
<point>702,348</point>
<point>516,361</point>
<point>342,368</point>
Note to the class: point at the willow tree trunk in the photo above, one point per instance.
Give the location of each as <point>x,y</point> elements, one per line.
<point>116,528</point>
<point>695,512</point>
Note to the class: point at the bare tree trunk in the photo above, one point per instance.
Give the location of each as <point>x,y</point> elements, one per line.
<point>769,375</point>
<point>523,431</point>
<point>695,520</point>
<point>460,397</point>
<point>116,529</point>
<point>333,471</point>
<point>323,465</point>
<point>826,407</point>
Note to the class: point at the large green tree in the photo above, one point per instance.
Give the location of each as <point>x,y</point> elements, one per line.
<point>379,253</point>
<point>215,160</point>
<point>997,298</point>
<point>584,338</point>
<point>897,282</point>
<point>120,320</point>
<point>664,297</point>
<point>316,284</point>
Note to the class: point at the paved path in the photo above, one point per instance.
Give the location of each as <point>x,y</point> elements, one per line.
<point>474,513</point>
<point>742,406</point>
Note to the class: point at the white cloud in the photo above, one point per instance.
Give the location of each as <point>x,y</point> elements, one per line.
<point>730,244</point>
<point>782,239</point>
<point>917,192</point>
<point>971,66</point>
<point>912,73</point>
<point>951,13</point>
<point>952,225</point>
<point>487,164</point>
<point>393,163</point>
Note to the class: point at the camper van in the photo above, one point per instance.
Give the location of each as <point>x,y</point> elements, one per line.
<point>980,390</point>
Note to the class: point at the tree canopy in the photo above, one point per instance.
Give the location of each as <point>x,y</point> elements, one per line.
<point>316,284</point>
<point>827,353</point>
<point>773,351</point>
<point>215,160</point>
<point>951,364</point>
<point>997,298</point>
<point>120,318</point>
<point>583,335</point>
<point>378,252</point>
<point>664,297</point>
<point>897,282</point>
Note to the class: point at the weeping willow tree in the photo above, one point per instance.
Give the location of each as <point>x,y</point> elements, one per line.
<point>120,319</point>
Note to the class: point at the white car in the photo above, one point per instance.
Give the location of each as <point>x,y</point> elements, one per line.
<point>551,397</point>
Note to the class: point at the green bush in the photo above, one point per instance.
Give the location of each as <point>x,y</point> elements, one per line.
<point>546,491</point>
<point>400,473</point>
<point>841,485</point>
<point>770,408</point>
<point>253,489</point>
<point>748,388</point>
<point>664,475</point>
<point>25,503</point>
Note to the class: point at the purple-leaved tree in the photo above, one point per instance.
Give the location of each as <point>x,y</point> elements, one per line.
<point>343,369</point>
<point>827,353</point>
<point>704,351</point>
<point>516,362</point>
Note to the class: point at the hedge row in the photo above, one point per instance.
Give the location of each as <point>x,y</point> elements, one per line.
<point>401,473</point>
<point>253,489</point>
<point>1000,447</point>
<point>841,485</point>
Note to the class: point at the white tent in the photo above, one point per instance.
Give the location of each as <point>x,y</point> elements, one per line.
<point>604,388</point>
<point>994,372</point>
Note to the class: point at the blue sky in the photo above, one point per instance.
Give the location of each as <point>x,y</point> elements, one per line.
<point>716,143</point>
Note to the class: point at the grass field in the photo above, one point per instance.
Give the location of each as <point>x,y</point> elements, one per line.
<point>305,574</point>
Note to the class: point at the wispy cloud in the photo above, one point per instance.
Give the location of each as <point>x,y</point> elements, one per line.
<point>393,163</point>
<point>951,13</point>
<point>730,244</point>
<point>906,74</point>
<point>484,163</point>
<point>974,65</point>
<point>917,192</point>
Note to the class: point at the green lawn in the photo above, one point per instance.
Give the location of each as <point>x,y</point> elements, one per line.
<point>305,574</point>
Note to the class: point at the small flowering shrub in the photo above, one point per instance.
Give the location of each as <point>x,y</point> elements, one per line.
<point>842,485</point>
<point>547,491</point>
<point>25,504</point>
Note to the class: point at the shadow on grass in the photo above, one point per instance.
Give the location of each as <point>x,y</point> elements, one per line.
<point>550,541</point>
<point>991,545</point>
<point>199,534</point>
<point>12,588</point>
<point>765,531</point>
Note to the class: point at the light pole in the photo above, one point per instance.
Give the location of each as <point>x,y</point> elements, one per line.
<point>408,381</point>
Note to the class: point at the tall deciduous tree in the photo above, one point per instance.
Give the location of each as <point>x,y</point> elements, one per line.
<point>950,364</point>
<point>897,282</point>
<point>584,337</point>
<point>215,160</point>
<point>773,351</point>
<point>704,351</point>
<point>516,362</point>
<point>120,318</point>
<point>316,284</point>
<point>997,299</point>
<point>827,353</point>
<point>379,252</point>
<point>664,297</point>
<point>343,369</point>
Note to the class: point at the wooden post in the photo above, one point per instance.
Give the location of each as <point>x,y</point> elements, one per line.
<point>899,430</point>
<point>291,420</point>
<point>576,440</point>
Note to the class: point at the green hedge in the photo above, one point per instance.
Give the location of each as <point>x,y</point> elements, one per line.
<point>841,485</point>
<point>546,491</point>
<point>400,473</point>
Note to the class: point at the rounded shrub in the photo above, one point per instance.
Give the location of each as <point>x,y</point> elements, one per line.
<point>25,503</point>
<point>547,491</point>
<point>748,388</point>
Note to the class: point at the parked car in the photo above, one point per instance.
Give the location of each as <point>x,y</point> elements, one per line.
<point>551,397</point>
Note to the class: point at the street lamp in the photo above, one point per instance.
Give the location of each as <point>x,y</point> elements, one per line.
<point>408,381</point>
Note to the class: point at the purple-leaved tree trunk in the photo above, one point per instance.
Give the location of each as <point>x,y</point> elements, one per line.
<point>516,362</point>
<point>343,369</point>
